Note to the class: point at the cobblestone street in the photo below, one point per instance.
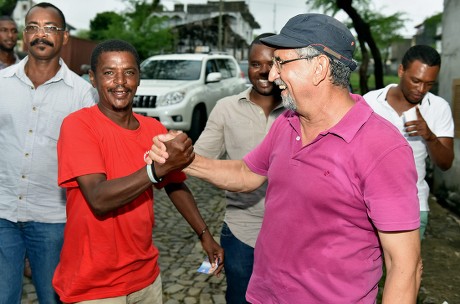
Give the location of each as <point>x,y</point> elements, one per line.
<point>181,253</point>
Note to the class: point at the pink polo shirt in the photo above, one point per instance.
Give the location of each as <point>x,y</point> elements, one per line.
<point>318,242</point>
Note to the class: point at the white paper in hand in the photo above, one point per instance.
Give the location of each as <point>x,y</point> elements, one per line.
<point>206,267</point>
<point>410,114</point>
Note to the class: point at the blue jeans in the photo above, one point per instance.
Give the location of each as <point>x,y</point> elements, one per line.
<point>42,244</point>
<point>238,262</point>
<point>423,223</point>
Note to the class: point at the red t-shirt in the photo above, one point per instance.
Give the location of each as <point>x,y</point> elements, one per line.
<point>112,255</point>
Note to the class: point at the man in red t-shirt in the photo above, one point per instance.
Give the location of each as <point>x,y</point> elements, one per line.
<point>108,250</point>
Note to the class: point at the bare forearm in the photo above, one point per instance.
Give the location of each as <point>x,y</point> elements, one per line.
<point>441,152</point>
<point>183,199</point>
<point>400,286</point>
<point>231,175</point>
<point>403,266</point>
<point>184,202</point>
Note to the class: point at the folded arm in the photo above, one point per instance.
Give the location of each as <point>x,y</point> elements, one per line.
<point>440,149</point>
<point>105,195</point>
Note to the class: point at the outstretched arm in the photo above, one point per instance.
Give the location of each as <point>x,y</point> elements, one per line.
<point>184,202</point>
<point>403,266</point>
<point>232,175</point>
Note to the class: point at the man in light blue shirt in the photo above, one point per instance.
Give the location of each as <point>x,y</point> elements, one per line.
<point>37,93</point>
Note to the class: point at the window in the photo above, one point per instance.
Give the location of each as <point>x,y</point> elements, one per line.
<point>223,69</point>
<point>171,69</point>
<point>232,67</point>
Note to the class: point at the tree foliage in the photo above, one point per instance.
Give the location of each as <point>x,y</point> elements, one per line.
<point>375,33</point>
<point>7,7</point>
<point>138,25</point>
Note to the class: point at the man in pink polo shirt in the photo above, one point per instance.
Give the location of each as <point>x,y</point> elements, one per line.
<point>341,181</point>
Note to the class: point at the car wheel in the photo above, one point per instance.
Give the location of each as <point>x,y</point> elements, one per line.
<point>198,123</point>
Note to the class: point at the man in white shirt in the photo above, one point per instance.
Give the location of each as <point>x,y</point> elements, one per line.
<point>423,118</point>
<point>36,94</point>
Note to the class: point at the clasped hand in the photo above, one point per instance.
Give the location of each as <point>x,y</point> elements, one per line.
<point>174,146</point>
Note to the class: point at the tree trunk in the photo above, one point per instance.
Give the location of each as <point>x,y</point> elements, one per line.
<point>364,33</point>
<point>363,77</point>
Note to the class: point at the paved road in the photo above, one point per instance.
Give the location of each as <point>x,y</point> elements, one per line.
<point>441,258</point>
<point>181,253</point>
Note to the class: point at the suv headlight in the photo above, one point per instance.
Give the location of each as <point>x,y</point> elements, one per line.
<point>170,98</point>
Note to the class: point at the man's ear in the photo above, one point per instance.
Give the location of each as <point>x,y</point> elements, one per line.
<point>92,78</point>
<point>400,71</point>
<point>321,69</point>
<point>65,37</point>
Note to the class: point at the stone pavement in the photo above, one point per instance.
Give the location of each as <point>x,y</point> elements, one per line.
<point>181,253</point>
<point>441,257</point>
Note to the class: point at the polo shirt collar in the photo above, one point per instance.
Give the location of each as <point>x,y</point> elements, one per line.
<point>382,96</point>
<point>348,126</point>
<point>353,120</point>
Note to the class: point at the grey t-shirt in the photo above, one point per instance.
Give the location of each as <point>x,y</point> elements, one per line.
<point>236,126</point>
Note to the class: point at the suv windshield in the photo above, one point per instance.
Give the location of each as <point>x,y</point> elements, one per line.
<point>171,69</point>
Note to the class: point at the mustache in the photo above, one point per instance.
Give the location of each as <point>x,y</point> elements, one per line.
<point>279,82</point>
<point>119,87</point>
<point>41,40</point>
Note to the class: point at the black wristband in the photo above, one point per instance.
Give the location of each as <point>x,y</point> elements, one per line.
<point>152,169</point>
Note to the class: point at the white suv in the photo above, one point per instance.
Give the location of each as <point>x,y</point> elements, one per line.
<point>180,90</point>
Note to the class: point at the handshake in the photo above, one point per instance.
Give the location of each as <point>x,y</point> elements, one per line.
<point>170,152</point>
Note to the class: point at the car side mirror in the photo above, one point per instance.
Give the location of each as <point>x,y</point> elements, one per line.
<point>214,77</point>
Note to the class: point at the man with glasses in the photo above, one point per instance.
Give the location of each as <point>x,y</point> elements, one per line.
<point>36,95</point>
<point>8,41</point>
<point>341,185</point>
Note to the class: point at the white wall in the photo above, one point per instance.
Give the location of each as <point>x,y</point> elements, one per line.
<point>450,70</point>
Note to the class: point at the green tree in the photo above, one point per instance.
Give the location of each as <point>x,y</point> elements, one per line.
<point>106,25</point>
<point>368,25</point>
<point>138,25</point>
<point>7,7</point>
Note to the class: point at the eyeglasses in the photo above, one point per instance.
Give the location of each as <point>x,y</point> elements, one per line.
<point>47,29</point>
<point>277,63</point>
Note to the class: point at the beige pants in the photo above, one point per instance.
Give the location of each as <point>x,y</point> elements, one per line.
<point>152,294</point>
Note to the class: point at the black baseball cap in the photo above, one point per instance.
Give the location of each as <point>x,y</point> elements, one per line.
<point>324,33</point>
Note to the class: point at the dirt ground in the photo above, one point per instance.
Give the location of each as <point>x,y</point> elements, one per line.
<point>441,258</point>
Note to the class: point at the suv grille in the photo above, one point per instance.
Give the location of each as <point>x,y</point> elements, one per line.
<point>144,101</point>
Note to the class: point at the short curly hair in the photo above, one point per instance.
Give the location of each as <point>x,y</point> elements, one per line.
<point>113,45</point>
<point>423,53</point>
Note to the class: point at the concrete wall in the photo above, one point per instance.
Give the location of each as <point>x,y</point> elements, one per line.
<point>450,70</point>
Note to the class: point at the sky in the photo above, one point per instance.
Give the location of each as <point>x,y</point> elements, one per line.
<point>270,14</point>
